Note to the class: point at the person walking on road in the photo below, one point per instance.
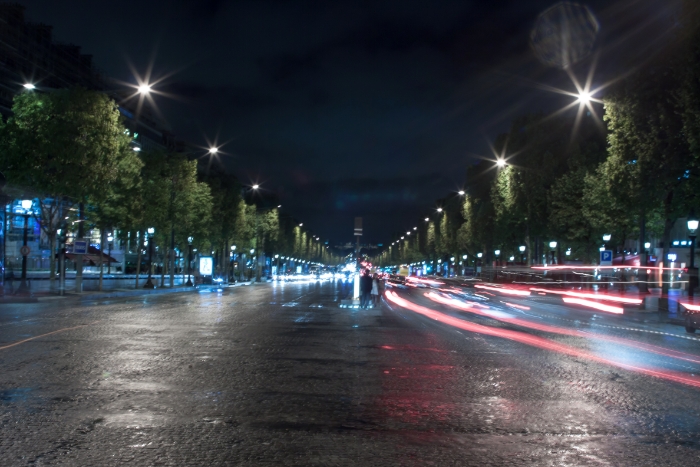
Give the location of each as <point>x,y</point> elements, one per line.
<point>365,288</point>
<point>375,291</point>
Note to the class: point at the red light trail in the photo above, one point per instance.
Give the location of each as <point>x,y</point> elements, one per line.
<point>594,296</point>
<point>505,290</point>
<point>563,331</point>
<point>536,341</point>
<point>591,304</point>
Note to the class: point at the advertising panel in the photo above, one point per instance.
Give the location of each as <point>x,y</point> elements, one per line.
<point>206,266</point>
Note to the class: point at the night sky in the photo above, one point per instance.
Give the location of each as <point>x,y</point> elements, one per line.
<point>347,108</point>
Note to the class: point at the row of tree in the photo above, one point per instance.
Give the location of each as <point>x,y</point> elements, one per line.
<point>573,178</point>
<point>71,152</point>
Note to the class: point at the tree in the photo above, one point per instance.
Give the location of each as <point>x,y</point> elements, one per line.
<point>569,218</point>
<point>650,163</point>
<point>225,192</point>
<point>69,146</point>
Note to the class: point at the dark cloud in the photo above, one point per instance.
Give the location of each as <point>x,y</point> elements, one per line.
<point>345,106</point>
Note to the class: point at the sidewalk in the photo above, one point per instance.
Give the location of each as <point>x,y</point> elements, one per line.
<point>118,293</point>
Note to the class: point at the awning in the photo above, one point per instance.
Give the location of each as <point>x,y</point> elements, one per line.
<point>93,257</point>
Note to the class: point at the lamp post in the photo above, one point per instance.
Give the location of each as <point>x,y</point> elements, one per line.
<point>232,277</point>
<point>189,262</point>
<point>4,200</point>
<point>522,253</point>
<point>110,239</point>
<point>277,257</point>
<point>692,270</point>
<point>260,238</point>
<point>253,264</point>
<point>149,282</point>
<point>26,206</point>
<point>553,246</point>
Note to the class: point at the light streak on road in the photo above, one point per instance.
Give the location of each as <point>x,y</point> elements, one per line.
<point>539,342</point>
<point>591,268</point>
<point>505,290</point>
<point>595,305</point>
<point>505,318</point>
<point>521,307</point>
<point>424,281</point>
<point>47,334</point>
<point>594,296</point>
<point>690,306</point>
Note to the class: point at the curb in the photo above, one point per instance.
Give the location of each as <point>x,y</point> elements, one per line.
<point>136,293</point>
<point>91,296</point>
<point>19,300</point>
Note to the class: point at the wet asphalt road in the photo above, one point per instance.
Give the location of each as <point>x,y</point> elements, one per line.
<point>280,375</point>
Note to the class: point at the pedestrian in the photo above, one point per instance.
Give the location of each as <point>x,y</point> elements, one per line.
<point>365,288</point>
<point>375,290</point>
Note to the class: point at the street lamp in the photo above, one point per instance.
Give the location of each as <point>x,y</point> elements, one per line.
<point>26,206</point>
<point>189,262</point>
<point>501,163</point>
<point>29,86</point>
<point>461,192</point>
<point>144,89</point>
<point>232,255</point>
<point>522,253</point>
<point>439,209</point>
<point>149,282</point>
<point>427,219</point>
<point>110,239</point>
<point>553,246</point>
<point>692,271</point>
<point>255,187</point>
<point>607,237</point>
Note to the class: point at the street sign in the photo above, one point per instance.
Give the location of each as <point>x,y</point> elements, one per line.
<point>25,250</point>
<point>606,258</point>
<point>80,246</point>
